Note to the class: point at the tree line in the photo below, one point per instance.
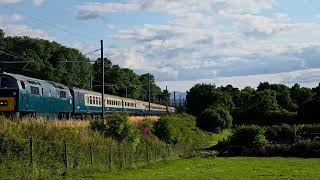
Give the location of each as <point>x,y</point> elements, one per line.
<point>221,107</point>
<point>47,61</point>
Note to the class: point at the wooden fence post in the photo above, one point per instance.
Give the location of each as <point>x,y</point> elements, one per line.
<point>147,154</point>
<point>65,157</point>
<point>31,154</point>
<point>91,156</point>
<point>110,157</point>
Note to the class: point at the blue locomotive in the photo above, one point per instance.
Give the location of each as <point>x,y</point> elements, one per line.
<point>25,96</point>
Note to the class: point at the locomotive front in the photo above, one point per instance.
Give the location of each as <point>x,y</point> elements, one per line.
<point>9,91</point>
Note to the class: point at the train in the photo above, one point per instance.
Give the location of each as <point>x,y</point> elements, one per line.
<point>25,96</point>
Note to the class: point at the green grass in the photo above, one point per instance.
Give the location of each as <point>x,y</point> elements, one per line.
<point>224,168</point>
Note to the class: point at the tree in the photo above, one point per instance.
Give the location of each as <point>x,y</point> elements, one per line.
<point>202,96</point>
<point>255,108</point>
<point>214,119</point>
<point>48,57</point>
<point>309,110</point>
<point>300,94</point>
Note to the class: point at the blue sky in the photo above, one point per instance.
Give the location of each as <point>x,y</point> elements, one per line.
<point>238,42</point>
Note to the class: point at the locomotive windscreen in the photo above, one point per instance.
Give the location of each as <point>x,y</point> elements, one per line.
<point>8,82</point>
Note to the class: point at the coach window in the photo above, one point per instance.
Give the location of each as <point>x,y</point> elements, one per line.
<point>90,100</point>
<point>34,90</point>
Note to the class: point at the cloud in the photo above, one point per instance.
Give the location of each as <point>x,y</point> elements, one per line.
<point>306,78</point>
<point>95,10</point>
<point>219,40</point>
<point>10,1</point>
<point>13,26</point>
<point>38,2</point>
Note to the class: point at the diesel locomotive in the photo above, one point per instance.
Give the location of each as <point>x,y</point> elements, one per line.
<point>25,96</point>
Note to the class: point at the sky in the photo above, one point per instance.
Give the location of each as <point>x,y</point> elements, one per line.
<point>238,42</point>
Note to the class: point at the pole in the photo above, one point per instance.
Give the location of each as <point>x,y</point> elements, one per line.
<point>91,82</point>
<point>102,61</point>
<point>126,91</point>
<point>149,95</point>
<point>174,99</point>
<point>167,94</point>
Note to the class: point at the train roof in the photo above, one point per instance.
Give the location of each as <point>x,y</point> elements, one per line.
<point>34,80</point>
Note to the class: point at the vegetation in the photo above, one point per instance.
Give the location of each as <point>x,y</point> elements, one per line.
<point>42,149</point>
<point>118,127</point>
<point>180,129</point>
<point>50,63</point>
<point>269,104</point>
<point>225,168</point>
<point>214,119</point>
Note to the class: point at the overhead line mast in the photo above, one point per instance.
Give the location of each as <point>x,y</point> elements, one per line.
<point>102,60</point>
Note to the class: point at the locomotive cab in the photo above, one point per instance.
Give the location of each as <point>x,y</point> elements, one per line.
<point>9,89</point>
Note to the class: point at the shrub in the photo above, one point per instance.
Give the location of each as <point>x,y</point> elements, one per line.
<point>305,149</point>
<point>214,119</point>
<point>179,129</point>
<point>282,134</point>
<point>145,127</point>
<point>279,117</point>
<point>249,136</point>
<point>117,127</point>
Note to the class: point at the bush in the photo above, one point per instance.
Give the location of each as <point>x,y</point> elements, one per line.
<point>179,129</point>
<point>282,134</point>
<point>279,117</point>
<point>214,119</point>
<point>117,127</point>
<point>146,127</point>
<point>305,149</point>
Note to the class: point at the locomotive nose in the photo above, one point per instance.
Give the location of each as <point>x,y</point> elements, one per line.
<point>3,103</point>
<point>6,104</point>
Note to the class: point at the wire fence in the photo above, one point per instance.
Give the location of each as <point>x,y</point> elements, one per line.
<point>33,158</point>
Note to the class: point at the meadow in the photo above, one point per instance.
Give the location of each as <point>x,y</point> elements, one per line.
<point>224,168</point>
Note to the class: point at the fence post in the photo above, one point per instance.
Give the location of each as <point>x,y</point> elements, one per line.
<point>120,156</point>
<point>91,156</point>
<point>125,156</point>
<point>31,154</point>
<point>65,158</point>
<point>155,154</point>
<point>147,153</point>
<point>110,157</point>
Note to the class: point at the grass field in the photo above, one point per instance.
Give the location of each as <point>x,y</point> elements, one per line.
<point>225,168</point>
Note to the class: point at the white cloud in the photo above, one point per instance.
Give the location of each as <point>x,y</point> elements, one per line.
<point>307,78</point>
<point>212,39</point>
<point>38,2</point>
<point>10,1</point>
<point>13,26</point>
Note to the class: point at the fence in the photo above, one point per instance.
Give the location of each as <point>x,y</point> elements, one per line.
<point>34,158</point>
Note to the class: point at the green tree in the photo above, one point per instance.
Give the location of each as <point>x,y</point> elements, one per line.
<point>300,94</point>
<point>47,57</point>
<point>202,96</point>
<point>214,119</point>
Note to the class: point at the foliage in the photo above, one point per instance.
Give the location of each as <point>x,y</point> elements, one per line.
<point>49,61</point>
<point>146,127</point>
<point>179,129</point>
<point>282,133</point>
<point>117,127</point>
<point>214,119</point>
<point>247,136</point>
<point>202,96</point>
<point>309,110</point>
